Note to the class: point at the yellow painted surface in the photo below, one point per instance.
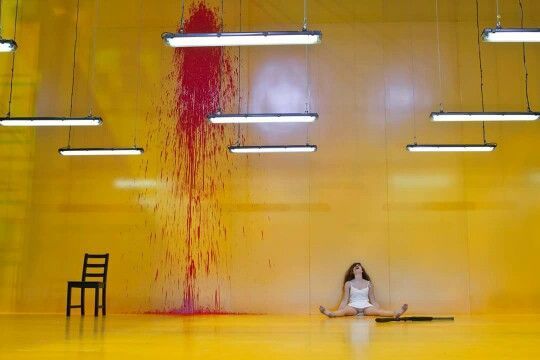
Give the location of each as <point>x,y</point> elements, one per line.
<point>266,337</point>
<point>446,233</point>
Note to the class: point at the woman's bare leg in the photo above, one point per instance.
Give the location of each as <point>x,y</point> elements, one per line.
<point>346,311</point>
<point>373,311</point>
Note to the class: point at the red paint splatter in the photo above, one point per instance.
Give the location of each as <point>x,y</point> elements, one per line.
<point>201,311</point>
<point>203,80</point>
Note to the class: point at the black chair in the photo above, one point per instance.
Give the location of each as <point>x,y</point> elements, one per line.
<point>100,265</point>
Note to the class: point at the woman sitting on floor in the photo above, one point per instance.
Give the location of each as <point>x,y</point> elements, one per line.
<point>358,297</point>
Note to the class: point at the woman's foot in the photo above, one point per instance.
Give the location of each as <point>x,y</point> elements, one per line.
<point>323,310</point>
<point>401,311</point>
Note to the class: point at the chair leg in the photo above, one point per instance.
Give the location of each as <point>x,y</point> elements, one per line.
<point>96,302</point>
<point>104,301</point>
<point>68,305</point>
<point>82,300</point>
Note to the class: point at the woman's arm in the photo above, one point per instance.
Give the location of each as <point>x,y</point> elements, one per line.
<point>371,295</point>
<point>346,294</point>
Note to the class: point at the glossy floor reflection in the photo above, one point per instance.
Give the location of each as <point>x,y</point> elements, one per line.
<point>266,337</point>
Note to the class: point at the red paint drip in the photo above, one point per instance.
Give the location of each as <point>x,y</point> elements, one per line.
<point>203,77</point>
<point>190,227</point>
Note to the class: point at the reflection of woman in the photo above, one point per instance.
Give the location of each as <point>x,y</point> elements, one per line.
<point>358,297</point>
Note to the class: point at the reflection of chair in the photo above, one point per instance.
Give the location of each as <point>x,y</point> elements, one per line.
<point>102,262</point>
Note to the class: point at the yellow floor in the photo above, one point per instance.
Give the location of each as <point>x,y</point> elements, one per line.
<point>266,337</point>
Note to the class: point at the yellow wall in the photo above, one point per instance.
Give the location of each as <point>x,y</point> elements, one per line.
<point>447,233</point>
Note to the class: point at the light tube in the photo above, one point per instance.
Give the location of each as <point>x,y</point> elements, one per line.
<point>7,45</point>
<point>50,121</point>
<point>262,118</point>
<point>511,35</point>
<point>242,38</point>
<point>451,147</point>
<point>99,151</point>
<point>485,116</point>
<point>272,149</point>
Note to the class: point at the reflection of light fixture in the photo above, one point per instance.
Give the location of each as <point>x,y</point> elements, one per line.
<point>484,116</point>
<point>99,151</point>
<point>51,121</point>
<point>273,149</point>
<point>451,147</point>
<point>242,38</point>
<point>511,35</point>
<point>262,118</point>
<point>7,45</point>
<point>135,183</point>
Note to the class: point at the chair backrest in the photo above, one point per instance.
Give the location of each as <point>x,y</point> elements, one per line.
<point>95,266</point>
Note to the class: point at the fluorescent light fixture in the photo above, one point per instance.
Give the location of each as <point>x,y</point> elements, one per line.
<point>262,118</point>
<point>273,149</point>
<point>99,151</point>
<point>7,45</point>
<point>242,38</point>
<point>511,35</point>
<point>485,116</point>
<point>451,147</point>
<point>51,121</point>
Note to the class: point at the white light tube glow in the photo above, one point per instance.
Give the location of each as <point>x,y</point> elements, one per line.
<point>485,116</point>
<point>99,151</point>
<point>7,45</point>
<point>272,149</point>
<point>242,38</point>
<point>262,118</point>
<point>451,147</point>
<point>135,183</point>
<point>511,35</point>
<point>50,121</point>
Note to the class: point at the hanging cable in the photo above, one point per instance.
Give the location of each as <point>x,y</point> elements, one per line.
<point>308,90</point>
<point>239,80</point>
<point>139,47</point>
<point>525,61</point>
<point>13,61</point>
<point>73,69</point>
<point>91,77</point>
<point>308,85</point>
<point>413,92</point>
<point>222,16</point>
<point>441,106</point>
<point>308,81</point>
<point>1,18</point>
<point>481,68</point>
<point>182,17</point>
<point>498,20</point>
<point>304,26</point>
<point>222,51</point>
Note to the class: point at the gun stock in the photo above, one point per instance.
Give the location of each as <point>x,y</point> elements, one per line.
<point>413,318</point>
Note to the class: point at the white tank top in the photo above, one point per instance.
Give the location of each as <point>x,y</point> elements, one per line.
<point>359,298</point>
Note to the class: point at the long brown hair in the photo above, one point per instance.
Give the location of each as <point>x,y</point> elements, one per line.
<point>349,275</point>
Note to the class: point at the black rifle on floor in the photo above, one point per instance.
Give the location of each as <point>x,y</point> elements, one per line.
<point>413,318</point>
